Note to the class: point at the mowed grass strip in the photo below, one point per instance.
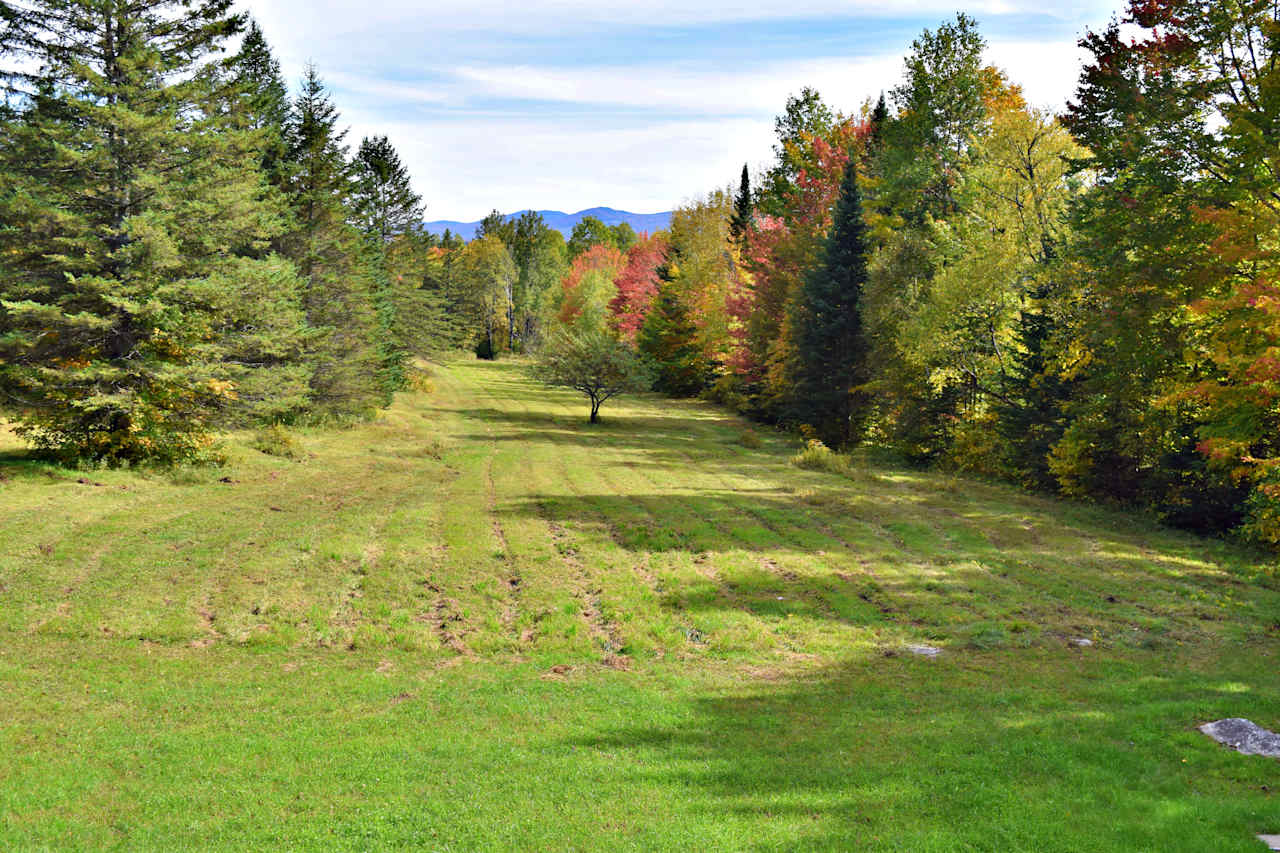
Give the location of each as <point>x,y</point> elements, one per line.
<point>477,622</point>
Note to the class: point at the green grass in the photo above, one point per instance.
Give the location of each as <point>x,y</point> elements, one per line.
<point>479,623</point>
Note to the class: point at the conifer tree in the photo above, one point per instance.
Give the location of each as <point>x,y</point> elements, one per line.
<point>262,99</point>
<point>879,118</point>
<point>742,207</point>
<point>669,340</point>
<point>332,258</point>
<point>127,201</point>
<point>384,202</point>
<point>831,347</point>
<point>386,208</point>
<point>1031,418</point>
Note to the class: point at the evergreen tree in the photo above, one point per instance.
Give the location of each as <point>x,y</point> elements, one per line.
<point>384,202</point>
<point>263,99</point>
<point>496,225</point>
<point>879,118</point>
<point>742,207</point>
<point>127,197</point>
<point>332,258</point>
<point>1031,418</point>
<point>669,340</point>
<point>830,344</point>
<point>385,208</point>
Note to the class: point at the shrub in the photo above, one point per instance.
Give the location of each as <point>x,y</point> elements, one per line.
<point>816,456</point>
<point>275,440</point>
<point>749,439</point>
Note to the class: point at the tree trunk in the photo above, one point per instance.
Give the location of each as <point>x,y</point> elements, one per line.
<point>595,412</point>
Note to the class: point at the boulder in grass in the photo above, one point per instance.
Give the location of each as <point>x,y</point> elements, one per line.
<point>1244,736</point>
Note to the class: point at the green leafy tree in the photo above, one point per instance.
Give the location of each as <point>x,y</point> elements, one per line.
<point>590,231</point>
<point>940,106</point>
<point>487,277</point>
<point>594,363</point>
<point>129,199</point>
<point>805,117</point>
<point>830,342</point>
<point>495,224</point>
<point>539,254</point>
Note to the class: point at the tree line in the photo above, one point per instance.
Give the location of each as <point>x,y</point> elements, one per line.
<point>185,247</point>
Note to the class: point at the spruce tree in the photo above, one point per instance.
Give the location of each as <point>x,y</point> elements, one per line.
<point>669,341</point>
<point>385,208</point>
<point>879,118</point>
<point>742,207</point>
<point>1031,417</point>
<point>831,347</point>
<point>262,99</point>
<point>384,202</point>
<point>128,201</point>
<point>332,258</point>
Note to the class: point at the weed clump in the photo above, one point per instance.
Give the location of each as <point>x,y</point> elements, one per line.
<point>749,439</point>
<point>275,440</point>
<point>987,635</point>
<point>816,456</point>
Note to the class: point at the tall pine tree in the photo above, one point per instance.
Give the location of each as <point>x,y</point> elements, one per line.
<point>332,258</point>
<point>830,342</point>
<point>386,208</point>
<point>262,99</point>
<point>742,207</point>
<point>127,201</point>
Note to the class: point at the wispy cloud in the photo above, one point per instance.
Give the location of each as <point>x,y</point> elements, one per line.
<point>569,103</point>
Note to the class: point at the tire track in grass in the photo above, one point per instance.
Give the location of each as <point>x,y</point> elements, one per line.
<point>513,580</point>
<point>444,614</point>
<point>641,568</point>
<point>511,608</point>
<point>604,632</point>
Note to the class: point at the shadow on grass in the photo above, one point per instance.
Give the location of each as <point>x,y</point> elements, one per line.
<point>30,465</point>
<point>1000,754</point>
<point>876,559</point>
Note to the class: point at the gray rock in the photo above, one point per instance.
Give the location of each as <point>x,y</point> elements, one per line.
<point>924,651</point>
<point>1272,841</point>
<point>1082,642</point>
<point>1244,736</point>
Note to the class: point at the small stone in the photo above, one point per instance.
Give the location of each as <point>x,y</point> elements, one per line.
<point>1082,642</point>
<point>924,651</point>
<point>1272,841</point>
<point>1244,736</point>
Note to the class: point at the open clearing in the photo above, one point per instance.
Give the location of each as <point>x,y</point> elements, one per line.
<point>479,623</point>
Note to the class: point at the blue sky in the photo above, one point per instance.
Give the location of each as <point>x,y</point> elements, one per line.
<point>569,104</point>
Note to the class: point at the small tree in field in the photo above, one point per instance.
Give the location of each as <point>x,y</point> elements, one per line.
<point>594,363</point>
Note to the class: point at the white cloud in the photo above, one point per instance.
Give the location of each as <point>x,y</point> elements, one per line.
<point>489,132</point>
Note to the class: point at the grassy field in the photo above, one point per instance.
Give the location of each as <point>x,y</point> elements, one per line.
<point>479,623</point>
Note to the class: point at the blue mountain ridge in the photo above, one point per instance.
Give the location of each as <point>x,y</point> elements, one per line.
<point>564,222</point>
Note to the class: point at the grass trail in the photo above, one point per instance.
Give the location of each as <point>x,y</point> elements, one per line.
<point>479,623</point>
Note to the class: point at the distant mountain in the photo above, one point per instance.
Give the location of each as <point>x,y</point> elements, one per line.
<point>564,222</point>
